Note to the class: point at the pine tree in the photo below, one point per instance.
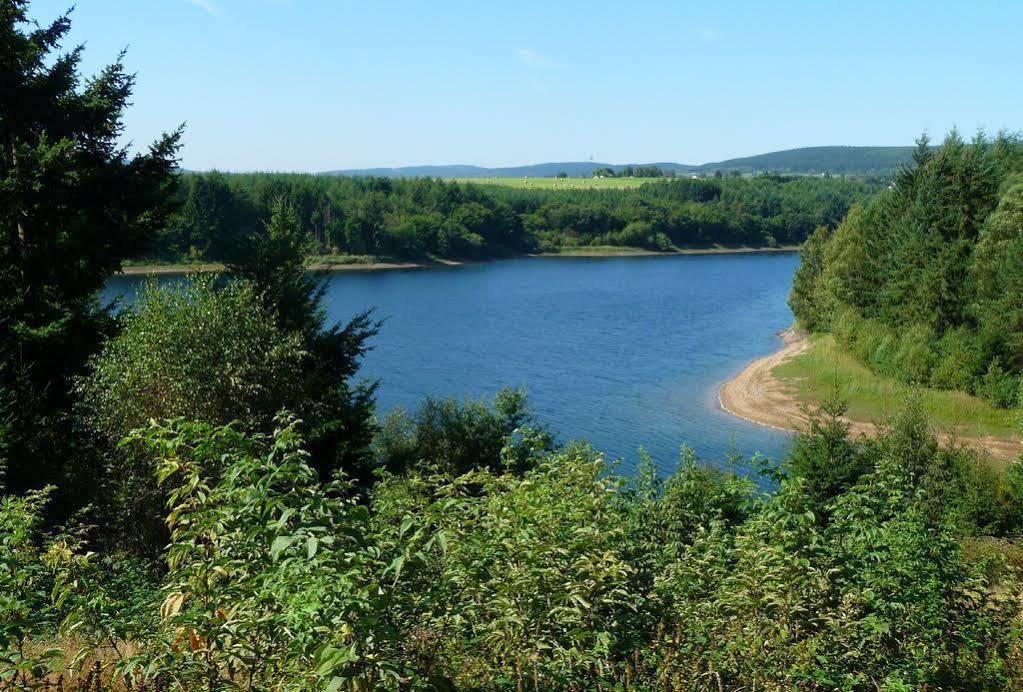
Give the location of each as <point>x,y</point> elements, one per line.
<point>337,412</point>
<point>74,202</point>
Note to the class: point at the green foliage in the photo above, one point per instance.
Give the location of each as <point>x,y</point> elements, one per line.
<point>337,410</point>
<point>515,580</point>
<point>998,386</point>
<point>26,610</point>
<point>452,437</point>
<point>878,597</point>
<point>413,218</point>
<point>825,456</point>
<point>958,361</point>
<point>269,579</point>
<point>189,350</point>
<point>923,284</point>
<point>850,574</point>
<point>192,350</point>
<point>74,202</point>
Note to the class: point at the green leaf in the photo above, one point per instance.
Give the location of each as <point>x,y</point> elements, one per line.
<point>280,544</point>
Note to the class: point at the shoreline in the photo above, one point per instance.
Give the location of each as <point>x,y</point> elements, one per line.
<point>757,396</point>
<point>208,267</point>
<point>582,252</point>
<point>640,252</point>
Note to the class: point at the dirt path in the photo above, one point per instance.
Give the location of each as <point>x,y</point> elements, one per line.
<point>756,395</point>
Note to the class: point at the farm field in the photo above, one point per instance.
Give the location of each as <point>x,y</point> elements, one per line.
<point>562,183</point>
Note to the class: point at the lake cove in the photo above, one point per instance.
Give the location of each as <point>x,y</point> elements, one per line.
<point>624,351</point>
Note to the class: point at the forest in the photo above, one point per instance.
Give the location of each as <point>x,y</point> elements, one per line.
<point>198,494</point>
<point>923,282</point>
<point>415,218</point>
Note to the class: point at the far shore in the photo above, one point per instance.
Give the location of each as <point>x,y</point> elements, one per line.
<point>349,264</point>
<point>758,395</point>
<point>608,251</point>
<point>208,267</point>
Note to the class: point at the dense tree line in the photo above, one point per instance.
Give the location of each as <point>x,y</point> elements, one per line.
<point>924,282</point>
<point>763,211</point>
<point>418,217</point>
<point>198,497</point>
<point>634,172</point>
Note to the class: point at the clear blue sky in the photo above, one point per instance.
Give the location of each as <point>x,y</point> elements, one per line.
<point>311,85</point>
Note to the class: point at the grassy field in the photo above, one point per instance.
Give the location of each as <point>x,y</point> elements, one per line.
<point>824,366</point>
<point>561,183</point>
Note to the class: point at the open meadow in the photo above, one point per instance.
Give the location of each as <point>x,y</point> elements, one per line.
<point>562,183</point>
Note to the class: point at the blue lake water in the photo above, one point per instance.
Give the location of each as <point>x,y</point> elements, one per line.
<point>623,352</point>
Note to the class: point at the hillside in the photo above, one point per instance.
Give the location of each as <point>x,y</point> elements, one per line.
<point>807,160</point>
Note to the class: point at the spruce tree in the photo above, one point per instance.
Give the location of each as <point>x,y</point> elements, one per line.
<point>337,412</point>
<point>74,203</point>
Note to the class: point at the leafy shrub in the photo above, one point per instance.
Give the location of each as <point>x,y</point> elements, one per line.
<point>454,437</point>
<point>26,609</point>
<point>515,580</point>
<point>192,350</point>
<point>846,327</point>
<point>270,579</point>
<point>914,356</point>
<point>189,350</point>
<point>556,574</point>
<point>998,386</point>
<point>957,365</point>
<point>825,457</point>
<point>879,597</point>
<point>660,242</point>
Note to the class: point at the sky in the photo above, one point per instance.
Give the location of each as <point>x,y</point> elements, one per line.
<point>314,85</point>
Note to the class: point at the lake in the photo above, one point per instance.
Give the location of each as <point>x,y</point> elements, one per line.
<point>624,352</point>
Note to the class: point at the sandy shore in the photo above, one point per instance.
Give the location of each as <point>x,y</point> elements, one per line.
<point>756,395</point>
<point>148,269</point>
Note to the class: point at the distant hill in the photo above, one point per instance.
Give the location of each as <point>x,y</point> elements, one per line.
<point>848,160</point>
<point>807,161</point>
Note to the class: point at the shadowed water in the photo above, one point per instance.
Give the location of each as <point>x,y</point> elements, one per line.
<point>623,352</point>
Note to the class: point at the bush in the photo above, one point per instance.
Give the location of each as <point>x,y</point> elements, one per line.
<point>957,363</point>
<point>825,457</point>
<point>270,577</point>
<point>26,607</point>
<point>561,575</point>
<point>998,386</point>
<point>190,350</point>
<point>846,327</point>
<point>660,242</point>
<point>451,437</point>
<point>194,351</point>
<point>914,357</point>
<point>515,580</point>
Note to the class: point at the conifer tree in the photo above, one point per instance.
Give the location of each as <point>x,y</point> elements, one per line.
<point>74,202</point>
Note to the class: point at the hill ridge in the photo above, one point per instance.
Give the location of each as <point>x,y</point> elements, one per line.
<point>839,159</point>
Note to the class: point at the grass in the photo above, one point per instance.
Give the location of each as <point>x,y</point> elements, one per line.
<point>824,368</point>
<point>562,183</point>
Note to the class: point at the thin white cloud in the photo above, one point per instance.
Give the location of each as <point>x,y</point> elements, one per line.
<point>205,5</point>
<point>531,57</point>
